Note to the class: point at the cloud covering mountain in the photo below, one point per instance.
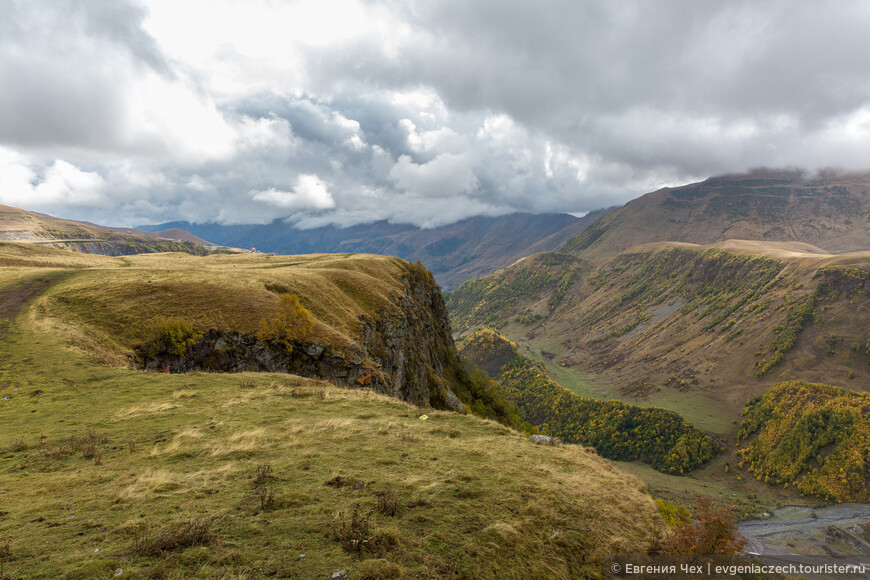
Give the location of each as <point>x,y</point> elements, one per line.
<point>422,112</point>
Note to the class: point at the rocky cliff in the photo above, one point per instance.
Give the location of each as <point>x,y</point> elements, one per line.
<point>404,350</point>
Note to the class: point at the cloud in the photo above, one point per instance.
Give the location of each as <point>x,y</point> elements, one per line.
<point>60,183</point>
<point>87,77</point>
<point>420,111</point>
<point>445,176</point>
<point>309,193</point>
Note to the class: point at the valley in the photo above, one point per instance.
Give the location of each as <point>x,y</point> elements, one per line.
<point>706,326</point>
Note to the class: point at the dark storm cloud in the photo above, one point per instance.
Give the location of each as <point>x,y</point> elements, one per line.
<point>602,75</point>
<point>436,110</point>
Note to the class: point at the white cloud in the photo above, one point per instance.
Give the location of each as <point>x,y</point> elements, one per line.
<point>309,193</point>
<point>136,111</point>
<point>60,183</point>
<point>197,183</point>
<point>63,182</point>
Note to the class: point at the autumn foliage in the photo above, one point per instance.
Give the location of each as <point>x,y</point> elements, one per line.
<point>291,323</point>
<point>813,437</point>
<point>712,531</point>
<point>659,437</point>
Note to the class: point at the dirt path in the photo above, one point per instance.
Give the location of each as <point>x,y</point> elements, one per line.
<point>14,298</point>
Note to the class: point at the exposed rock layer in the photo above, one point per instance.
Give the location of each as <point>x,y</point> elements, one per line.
<point>405,351</point>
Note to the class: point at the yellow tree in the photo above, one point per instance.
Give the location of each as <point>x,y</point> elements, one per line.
<point>292,322</point>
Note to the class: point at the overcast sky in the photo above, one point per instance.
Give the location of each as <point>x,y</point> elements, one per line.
<point>424,111</point>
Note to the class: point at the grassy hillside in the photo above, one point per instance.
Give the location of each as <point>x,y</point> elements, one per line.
<point>116,304</point>
<point>830,211</point>
<point>697,329</point>
<point>617,431</point>
<point>810,436</point>
<point>106,468</point>
<point>378,321</point>
<point>528,290</point>
<point>36,228</point>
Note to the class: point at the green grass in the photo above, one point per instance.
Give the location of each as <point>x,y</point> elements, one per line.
<point>100,464</point>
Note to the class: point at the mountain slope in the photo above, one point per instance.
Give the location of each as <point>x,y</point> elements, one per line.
<point>830,211</point>
<point>214,475</point>
<point>697,329</point>
<point>455,253</point>
<point>26,226</point>
<point>812,437</point>
<point>617,431</point>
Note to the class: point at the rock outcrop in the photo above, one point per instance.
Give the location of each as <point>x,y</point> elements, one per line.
<point>405,351</point>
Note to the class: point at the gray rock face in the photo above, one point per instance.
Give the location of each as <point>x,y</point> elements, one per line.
<point>544,440</point>
<point>403,352</point>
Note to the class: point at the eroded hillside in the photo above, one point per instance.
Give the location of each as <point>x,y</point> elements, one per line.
<point>684,326</point>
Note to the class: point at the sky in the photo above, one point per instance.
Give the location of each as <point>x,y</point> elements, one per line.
<point>127,112</point>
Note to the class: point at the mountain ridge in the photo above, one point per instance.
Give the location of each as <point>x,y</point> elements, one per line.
<point>830,210</point>
<point>467,249</point>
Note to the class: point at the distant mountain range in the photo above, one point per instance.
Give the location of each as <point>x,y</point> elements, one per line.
<point>454,253</point>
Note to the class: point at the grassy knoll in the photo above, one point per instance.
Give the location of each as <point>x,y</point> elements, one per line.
<point>254,475</point>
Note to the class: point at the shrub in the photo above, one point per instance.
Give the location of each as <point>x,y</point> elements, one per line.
<point>673,514</point>
<point>150,541</point>
<point>173,336</point>
<point>92,446</point>
<point>266,497</point>
<point>714,531</point>
<point>353,535</point>
<point>264,474</point>
<point>388,501</point>
<point>292,322</point>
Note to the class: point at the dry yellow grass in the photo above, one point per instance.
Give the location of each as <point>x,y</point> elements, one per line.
<point>475,499</point>
<point>112,306</point>
<point>145,409</point>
